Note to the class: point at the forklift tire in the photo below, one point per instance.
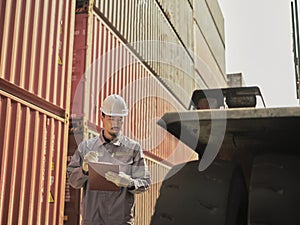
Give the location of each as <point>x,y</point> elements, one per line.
<point>274,195</point>
<point>216,196</point>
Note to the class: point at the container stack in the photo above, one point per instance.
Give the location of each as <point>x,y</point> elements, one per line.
<point>35,71</point>
<point>105,63</point>
<point>61,59</point>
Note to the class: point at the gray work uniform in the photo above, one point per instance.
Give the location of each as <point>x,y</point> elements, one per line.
<point>110,207</point>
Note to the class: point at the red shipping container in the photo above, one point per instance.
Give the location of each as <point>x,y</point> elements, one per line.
<point>36,41</point>
<point>78,65</point>
<point>32,157</point>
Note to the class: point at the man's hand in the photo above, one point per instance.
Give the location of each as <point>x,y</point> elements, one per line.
<point>120,179</point>
<point>89,157</point>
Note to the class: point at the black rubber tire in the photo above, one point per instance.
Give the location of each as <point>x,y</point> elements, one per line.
<point>274,195</point>
<point>216,196</point>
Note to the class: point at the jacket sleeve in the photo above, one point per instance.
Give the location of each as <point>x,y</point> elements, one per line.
<point>75,173</point>
<point>140,173</point>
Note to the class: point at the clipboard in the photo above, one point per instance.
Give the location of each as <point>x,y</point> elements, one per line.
<point>97,179</point>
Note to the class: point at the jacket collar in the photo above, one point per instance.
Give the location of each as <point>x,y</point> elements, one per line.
<point>117,141</point>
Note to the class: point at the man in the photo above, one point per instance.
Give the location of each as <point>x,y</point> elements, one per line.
<point>110,207</point>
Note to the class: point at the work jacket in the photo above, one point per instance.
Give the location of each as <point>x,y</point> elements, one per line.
<point>110,207</point>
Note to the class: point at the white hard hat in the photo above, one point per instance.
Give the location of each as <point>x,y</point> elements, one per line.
<point>114,105</point>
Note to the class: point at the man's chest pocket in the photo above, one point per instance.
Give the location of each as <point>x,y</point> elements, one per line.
<point>125,160</point>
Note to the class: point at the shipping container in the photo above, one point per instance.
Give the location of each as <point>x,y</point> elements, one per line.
<point>202,32</point>
<point>104,64</point>
<point>217,17</point>
<point>205,63</point>
<point>175,11</point>
<point>33,154</point>
<point>78,132</point>
<point>209,42</point>
<point>36,39</point>
<point>145,26</point>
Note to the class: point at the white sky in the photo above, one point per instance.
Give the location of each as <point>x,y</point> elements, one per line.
<point>258,43</point>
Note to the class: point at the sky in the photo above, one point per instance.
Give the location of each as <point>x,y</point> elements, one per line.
<point>259,44</point>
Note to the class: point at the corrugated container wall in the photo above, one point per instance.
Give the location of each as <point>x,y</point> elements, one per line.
<point>175,11</point>
<point>103,65</point>
<point>209,47</point>
<point>32,163</point>
<point>147,28</point>
<point>36,39</point>
<point>184,53</point>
